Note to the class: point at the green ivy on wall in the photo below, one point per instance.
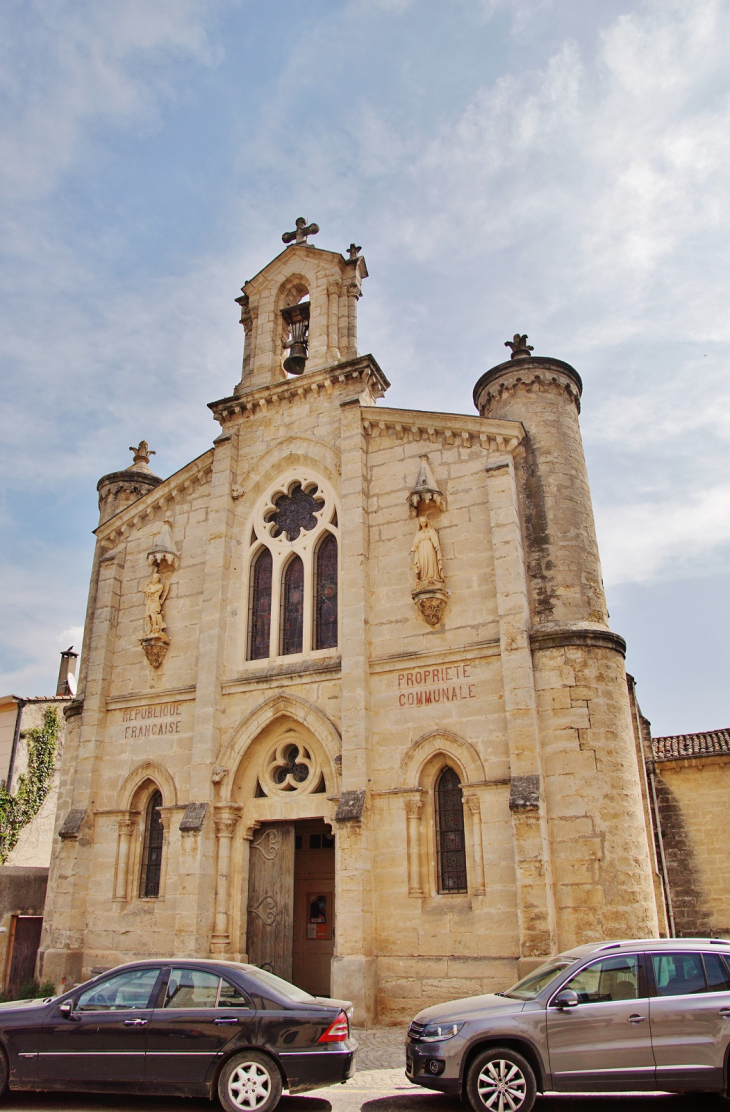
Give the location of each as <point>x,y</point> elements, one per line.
<point>18,809</point>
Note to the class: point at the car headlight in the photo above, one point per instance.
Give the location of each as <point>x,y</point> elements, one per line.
<point>437,1032</point>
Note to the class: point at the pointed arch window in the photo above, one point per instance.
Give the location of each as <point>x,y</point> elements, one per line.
<point>149,886</point>
<point>260,606</point>
<point>450,845</point>
<point>325,594</point>
<point>292,607</point>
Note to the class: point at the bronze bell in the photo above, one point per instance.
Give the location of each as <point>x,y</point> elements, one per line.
<point>297,317</point>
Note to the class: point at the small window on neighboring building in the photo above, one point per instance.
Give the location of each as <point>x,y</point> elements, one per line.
<point>152,850</point>
<point>325,594</point>
<point>260,606</point>
<point>292,607</point>
<point>450,833</point>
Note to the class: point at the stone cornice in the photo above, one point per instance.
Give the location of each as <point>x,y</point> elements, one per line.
<point>446,428</point>
<point>583,638</point>
<point>250,403</point>
<point>536,373</point>
<point>179,485</point>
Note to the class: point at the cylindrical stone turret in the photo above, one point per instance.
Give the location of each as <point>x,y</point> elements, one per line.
<point>560,536</point>
<point>602,872</point>
<point>119,488</point>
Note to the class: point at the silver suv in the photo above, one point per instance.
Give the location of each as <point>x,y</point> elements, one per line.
<point>652,1014</point>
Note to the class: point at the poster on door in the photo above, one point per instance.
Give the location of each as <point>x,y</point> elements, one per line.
<point>319,915</point>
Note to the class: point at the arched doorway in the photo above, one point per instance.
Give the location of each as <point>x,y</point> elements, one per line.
<point>285,789</point>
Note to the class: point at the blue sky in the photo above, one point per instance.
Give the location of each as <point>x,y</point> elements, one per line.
<point>548,166</point>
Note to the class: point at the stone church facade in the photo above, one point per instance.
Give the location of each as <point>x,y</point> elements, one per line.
<point>349,706</point>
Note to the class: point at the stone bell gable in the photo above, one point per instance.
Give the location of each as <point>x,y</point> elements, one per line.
<point>349,706</point>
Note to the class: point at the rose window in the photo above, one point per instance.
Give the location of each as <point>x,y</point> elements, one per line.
<point>295,512</point>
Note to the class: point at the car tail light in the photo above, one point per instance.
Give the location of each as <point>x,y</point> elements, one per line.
<point>337,1031</point>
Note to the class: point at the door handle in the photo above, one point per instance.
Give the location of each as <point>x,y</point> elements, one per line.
<point>135,1022</point>
<point>637,1018</point>
<point>725,1012</point>
<point>228,1022</point>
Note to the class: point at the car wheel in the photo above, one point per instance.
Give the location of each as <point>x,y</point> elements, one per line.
<point>501,1080</point>
<point>249,1082</point>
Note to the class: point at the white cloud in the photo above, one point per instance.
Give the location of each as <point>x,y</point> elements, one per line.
<point>76,64</point>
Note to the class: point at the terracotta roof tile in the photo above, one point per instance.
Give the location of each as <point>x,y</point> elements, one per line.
<point>684,746</point>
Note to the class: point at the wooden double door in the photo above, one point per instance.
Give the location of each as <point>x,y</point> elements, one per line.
<point>291,902</point>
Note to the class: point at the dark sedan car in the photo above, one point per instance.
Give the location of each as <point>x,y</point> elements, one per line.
<point>185,1027</point>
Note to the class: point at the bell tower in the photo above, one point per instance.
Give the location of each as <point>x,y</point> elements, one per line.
<point>300,312</point>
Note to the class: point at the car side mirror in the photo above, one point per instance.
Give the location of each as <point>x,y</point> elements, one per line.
<point>66,1009</point>
<point>566,999</point>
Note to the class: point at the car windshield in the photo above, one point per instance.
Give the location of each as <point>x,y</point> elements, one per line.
<point>533,984</point>
<point>291,992</point>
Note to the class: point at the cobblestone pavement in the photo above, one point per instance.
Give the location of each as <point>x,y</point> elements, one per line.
<point>380,1048</point>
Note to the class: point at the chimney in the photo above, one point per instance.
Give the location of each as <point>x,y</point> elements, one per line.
<point>67,673</point>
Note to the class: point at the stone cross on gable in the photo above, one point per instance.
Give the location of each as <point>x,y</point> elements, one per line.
<point>299,235</point>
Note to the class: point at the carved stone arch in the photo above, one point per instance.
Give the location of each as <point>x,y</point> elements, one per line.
<point>423,756</point>
<point>419,772</point>
<point>278,707</point>
<point>284,455</point>
<point>147,770</point>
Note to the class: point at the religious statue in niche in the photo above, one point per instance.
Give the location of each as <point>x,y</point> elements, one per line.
<point>155,593</point>
<point>163,559</point>
<point>430,595</point>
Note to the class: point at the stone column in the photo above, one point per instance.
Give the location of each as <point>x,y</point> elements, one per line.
<point>195,782</point>
<point>226,820</point>
<point>125,829</point>
<point>353,292</point>
<point>535,895</point>
<point>354,966</point>
<point>414,810</point>
<point>475,814</point>
<point>333,305</point>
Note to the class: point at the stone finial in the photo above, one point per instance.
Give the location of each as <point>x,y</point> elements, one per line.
<point>353,251</point>
<point>520,347</point>
<point>425,489</point>
<point>142,455</point>
<point>302,230</point>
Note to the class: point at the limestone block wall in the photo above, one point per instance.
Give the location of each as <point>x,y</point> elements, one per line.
<point>597,829</point>
<point>692,799</point>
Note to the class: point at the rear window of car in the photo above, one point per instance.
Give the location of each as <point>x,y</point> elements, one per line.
<point>533,984</point>
<point>279,986</point>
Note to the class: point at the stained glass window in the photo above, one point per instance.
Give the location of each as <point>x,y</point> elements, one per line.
<point>260,606</point>
<point>450,833</point>
<point>152,849</point>
<point>295,511</point>
<point>325,588</point>
<point>292,609</point>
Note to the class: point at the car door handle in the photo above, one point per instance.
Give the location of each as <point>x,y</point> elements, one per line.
<point>637,1018</point>
<point>135,1022</point>
<point>725,1012</point>
<point>228,1022</point>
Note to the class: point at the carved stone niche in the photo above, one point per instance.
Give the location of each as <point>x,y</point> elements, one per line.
<point>163,558</point>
